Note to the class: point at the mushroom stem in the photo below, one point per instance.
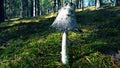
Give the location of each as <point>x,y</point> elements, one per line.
<point>64,49</point>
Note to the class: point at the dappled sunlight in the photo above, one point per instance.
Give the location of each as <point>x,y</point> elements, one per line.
<point>29,20</point>
<point>78,10</point>
<point>26,21</point>
<point>14,23</point>
<point>50,15</point>
<point>91,8</point>
<point>14,19</point>
<point>117,8</point>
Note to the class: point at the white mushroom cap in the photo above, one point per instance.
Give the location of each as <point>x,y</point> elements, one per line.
<point>66,19</point>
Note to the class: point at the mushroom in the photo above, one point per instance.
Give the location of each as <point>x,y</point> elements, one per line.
<point>64,22</point>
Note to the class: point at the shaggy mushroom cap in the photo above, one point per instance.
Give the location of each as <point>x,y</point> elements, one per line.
<point>66,20</point>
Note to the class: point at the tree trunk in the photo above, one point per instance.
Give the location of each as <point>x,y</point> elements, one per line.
<point>77,3</point>
<point>5,15</point>
<point>21,8</point>
<point>9,9</point>
<point>24,8</point>
<point>114,3</point>
<point>71,1</point>
<point>98,4</point>
<point>54,7</point>
<point>1,10</point>
<point>82,4</point>
<point>34,8</point>
<point>38,7</point>
<point>118,2</point>
<point>59,3</point>
<point>31,8</point>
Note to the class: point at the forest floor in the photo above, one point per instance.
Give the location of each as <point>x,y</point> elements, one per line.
<point>29,43</point>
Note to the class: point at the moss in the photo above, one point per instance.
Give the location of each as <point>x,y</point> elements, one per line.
<point>29,42</point>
